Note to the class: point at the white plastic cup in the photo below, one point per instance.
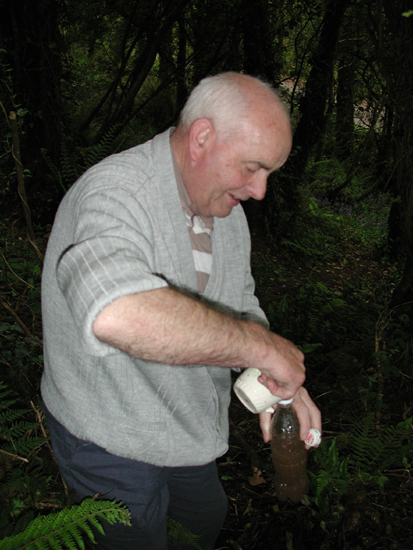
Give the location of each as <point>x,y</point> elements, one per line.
<point>254,395</point>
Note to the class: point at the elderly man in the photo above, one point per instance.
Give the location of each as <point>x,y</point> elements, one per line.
<point>148,302</point>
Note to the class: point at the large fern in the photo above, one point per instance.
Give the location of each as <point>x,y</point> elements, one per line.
<point>103,149</point>
<point>72,166</point>
<point>375,451</point>
<point>67,527</point>
<point>365,454</point>
<point>56,173</point>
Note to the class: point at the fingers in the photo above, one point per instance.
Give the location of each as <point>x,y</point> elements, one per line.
<point>283,373</point>
<point>265,425</point>
<point>283,370</point>
<point>308,413</point>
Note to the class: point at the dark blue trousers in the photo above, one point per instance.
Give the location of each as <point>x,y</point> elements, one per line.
<point>191,495</point>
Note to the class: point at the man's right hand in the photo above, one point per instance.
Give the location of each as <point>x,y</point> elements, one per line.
<point>279,360</point>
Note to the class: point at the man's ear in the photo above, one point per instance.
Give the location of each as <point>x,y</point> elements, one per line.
<point>201,137</point>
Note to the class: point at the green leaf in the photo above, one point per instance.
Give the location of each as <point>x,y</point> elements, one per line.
<point>67,526</point>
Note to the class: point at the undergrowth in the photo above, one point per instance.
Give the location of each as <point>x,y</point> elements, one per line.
<point>329,292</point>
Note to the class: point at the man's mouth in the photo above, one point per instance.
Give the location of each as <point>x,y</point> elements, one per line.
<point>235,200</point>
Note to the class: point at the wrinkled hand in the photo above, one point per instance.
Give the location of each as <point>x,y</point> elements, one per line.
<point>282,369</point>
<point>308,415</point>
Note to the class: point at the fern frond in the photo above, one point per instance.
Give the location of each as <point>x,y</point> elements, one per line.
<point>4,392</point>
<point>54,170</point>
<point>323,481</point>
<point>179,534</point>
<point>103,149</point>
<point>67,527</point>
<point>23,447</point>
<point>10,415</point>
<point>374,451</point>
<point>15,429</point>
<point>24,483</point>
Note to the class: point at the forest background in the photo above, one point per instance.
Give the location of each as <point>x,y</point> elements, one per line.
<point>332,241</point>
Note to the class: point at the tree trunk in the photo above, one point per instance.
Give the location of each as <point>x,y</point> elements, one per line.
<point>282,202</point>
<point>258,61</point>
<point>21,188</point>
<point>181,90</point>
<point>313,104</point>
<point>396,60</point>
<point>30,38</point>
<point>258,57</point>
<point>345,107</point>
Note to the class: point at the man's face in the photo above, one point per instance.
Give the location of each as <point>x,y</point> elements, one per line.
<point>236,170</point>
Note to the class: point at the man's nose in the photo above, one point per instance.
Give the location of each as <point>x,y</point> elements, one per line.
<point>258,187</point>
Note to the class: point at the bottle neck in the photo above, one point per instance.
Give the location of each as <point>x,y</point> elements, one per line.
<point>286,402</point>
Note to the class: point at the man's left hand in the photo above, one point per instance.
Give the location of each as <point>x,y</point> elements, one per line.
<point>308,415</point>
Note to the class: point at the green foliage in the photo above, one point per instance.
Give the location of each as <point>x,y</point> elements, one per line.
<point>16,432</point>
<point>21,353</point>
<point>375,450</point>
<point>71,166</point>
<point>348,463</point>
<point>21,488</point>
<point>348,470</point>
<point>332,476</point>
<point>301,313</point>
<point>22,479</point>
<point>178,534</point>
<point>396,353</point>
<point>67,527</point>
<point>106,146</point>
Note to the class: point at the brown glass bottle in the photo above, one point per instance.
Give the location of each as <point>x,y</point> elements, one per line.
<point>288,454</point>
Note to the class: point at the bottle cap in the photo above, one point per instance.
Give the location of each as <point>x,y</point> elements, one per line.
<point>286,401</point>
<point>314,438</point>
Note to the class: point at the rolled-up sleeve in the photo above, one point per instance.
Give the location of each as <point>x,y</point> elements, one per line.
<point>112,256</point>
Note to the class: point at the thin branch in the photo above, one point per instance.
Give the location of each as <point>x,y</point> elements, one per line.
<point>20,323</point>
<point>40,421</point>
<point>15,274</point>
<point>16,457</point>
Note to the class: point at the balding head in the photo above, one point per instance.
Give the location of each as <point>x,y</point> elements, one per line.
<point>226,100</point>
<point>234,131</point>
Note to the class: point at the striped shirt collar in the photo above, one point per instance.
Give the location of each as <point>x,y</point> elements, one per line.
<point>196,221</point>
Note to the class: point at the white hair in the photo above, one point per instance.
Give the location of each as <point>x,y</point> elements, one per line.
<point>223,99</point>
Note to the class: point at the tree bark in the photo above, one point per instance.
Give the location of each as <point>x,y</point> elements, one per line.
<point>313,104</point>
<point>345,107</point>
<point>21,189</point>
<point>258,56</point>
<point>396,62</point>
<point>282,202</point>
<point>30,37</point>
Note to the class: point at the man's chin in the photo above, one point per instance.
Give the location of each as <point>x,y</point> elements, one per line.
<point>223,212</point>
<point>233,200</point>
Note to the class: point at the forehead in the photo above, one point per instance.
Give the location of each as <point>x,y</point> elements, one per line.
<point>264,139</point>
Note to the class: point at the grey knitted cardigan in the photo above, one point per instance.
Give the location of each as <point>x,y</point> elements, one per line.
<point>119,230</point>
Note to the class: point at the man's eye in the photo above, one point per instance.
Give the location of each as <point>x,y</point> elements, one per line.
<point>252,169</point>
